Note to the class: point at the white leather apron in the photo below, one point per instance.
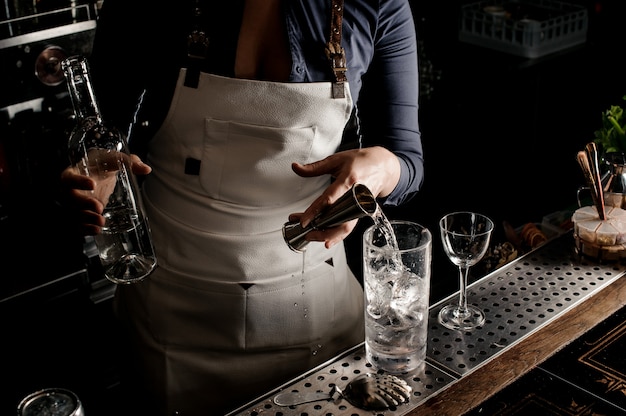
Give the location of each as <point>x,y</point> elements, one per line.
<point>231,311</point>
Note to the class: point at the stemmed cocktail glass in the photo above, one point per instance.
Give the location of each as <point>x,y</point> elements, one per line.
<point>465,237</point>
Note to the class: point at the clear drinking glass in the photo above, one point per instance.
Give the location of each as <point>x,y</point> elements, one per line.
<point>397,267</point>
<point>465,237</point>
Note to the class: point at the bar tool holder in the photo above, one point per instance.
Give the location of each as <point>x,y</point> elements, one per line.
<point>358,202</point>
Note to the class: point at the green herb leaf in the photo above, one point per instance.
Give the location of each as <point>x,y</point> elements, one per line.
<point>611,136</point>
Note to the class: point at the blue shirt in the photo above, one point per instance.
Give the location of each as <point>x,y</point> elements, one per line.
<point>378,37</point>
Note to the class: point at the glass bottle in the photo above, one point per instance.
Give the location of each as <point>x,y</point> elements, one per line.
<point>100,151</point>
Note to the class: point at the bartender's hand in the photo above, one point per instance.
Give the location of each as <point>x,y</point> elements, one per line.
<point>77,195</point>
<point>375,167</point>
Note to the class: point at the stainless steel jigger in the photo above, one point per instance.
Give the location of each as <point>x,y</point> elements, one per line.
<point>356,203</point>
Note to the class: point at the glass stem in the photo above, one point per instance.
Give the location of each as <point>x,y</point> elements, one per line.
<point>463,272</point>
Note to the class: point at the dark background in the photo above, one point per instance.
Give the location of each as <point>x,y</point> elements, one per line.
<point>501,132</point>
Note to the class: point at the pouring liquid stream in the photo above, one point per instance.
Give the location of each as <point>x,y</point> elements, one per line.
<point>381,221</point>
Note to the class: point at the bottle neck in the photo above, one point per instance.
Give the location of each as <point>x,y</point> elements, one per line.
<point>81,91</point>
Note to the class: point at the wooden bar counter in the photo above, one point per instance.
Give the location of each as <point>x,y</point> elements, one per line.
<point>535,306</point>
<point>471,390</point>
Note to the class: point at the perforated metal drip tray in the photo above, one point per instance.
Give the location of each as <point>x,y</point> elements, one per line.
<point>339,372</point>
<point>518,299</point>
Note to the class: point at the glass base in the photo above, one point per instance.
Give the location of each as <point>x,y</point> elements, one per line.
<point>131,268</point>
<point>450,317</point>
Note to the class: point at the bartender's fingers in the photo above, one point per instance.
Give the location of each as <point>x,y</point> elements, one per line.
<point>89,222</point>
<point>84,201</point>
<point>295,216</point>
<point>375,167</point>
<point>77,195</point>
<point>138,166</point>
<point>333,235</point>
<point>85,211</point>
<point>77,190</point>
<point>71,179</point>
<point>334,191</point>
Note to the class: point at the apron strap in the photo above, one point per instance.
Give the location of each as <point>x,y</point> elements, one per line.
<point>197,47</point>
<point>335,52</point>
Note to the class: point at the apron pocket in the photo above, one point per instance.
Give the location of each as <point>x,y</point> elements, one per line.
<point>257,158</point>
<point>310,309</point>
<point>294,315</point>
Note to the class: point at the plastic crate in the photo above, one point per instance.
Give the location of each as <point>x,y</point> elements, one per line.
<point>530,28</point>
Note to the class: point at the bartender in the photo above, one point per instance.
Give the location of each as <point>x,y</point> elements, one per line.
<point>248,113</point>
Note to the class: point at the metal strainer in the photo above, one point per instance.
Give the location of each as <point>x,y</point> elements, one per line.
<point>366,391</point>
